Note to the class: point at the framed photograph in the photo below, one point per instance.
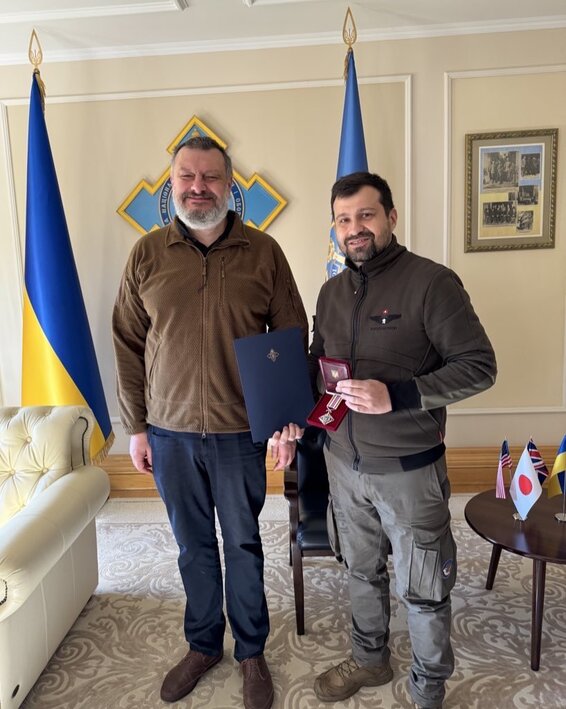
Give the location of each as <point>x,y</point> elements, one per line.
<point>511,190</point>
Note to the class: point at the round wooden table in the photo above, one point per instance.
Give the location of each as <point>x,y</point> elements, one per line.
<point>540,537</point>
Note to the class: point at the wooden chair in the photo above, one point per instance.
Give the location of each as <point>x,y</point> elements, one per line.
<point>306,491</point>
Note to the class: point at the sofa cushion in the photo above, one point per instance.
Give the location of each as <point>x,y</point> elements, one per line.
<point>38,445</point>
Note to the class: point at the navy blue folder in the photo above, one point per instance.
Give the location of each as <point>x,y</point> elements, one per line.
<point>275,380</point>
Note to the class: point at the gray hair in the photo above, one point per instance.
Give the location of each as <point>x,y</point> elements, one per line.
<point>204,142</point>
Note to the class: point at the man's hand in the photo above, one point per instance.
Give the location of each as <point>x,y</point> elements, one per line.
<point>140,452</point>
<point>366,396</point>
<point>282,445</point>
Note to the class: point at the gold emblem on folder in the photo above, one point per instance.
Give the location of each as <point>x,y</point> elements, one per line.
<point>272,355</point>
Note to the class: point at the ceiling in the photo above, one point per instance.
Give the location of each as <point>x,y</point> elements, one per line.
<point>72,30</point>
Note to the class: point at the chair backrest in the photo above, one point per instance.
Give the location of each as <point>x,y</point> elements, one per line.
<point>38,445</point>
<point>311,466</point>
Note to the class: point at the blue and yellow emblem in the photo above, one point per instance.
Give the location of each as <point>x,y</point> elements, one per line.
<point>150,206</point>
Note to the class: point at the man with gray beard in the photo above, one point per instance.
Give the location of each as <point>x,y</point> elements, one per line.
<point>188,290</point>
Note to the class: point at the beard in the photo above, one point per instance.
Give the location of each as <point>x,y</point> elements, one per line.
<point>206,218</point>
<point>363,253</point>
<point>370,249</point>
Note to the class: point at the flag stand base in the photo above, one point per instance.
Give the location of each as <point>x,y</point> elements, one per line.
<point>560,516</point>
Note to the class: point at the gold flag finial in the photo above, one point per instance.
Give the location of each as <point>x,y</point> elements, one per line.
<point>349,34</point>
<point>35,54</point>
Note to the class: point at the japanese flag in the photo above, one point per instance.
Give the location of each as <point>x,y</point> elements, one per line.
<point>525,488</point>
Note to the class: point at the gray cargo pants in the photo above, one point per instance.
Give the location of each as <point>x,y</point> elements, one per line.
<point>410,510</point>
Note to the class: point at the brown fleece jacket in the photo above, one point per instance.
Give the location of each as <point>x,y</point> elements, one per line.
<point>175,319</point>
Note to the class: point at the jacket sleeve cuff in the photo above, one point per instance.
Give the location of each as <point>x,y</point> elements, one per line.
<point>404,395</point>
<point>134,428</point>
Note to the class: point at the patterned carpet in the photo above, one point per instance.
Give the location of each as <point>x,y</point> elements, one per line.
<point>129,634</point>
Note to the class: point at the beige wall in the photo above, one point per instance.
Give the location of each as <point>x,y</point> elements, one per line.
<point>110,123</point>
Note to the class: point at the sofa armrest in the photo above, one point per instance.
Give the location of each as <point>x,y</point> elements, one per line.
<point>36,538</point>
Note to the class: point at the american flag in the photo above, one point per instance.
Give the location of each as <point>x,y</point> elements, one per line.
<point>538,462</point>
<point>504,462</point>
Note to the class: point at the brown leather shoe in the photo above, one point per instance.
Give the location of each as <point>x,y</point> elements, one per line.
<point>258,686</point>
<point>182,679</point>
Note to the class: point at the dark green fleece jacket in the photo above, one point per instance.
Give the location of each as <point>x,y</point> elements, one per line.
<point>408,322</point>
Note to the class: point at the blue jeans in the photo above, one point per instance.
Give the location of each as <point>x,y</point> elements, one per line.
<point>195,475</point>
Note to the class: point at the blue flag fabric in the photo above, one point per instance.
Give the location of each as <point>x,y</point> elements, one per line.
<point>352,156</point>
<point>59,365</point>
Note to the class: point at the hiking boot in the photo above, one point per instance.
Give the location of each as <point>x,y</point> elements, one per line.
<point>258,686</point>
<point>182,679</point>
<point>345,679</point>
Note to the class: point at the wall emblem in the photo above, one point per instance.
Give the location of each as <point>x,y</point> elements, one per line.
<point>150,206</point>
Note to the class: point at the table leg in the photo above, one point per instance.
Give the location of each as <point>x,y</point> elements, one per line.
<point>539,574</point>
<point>493,563</point>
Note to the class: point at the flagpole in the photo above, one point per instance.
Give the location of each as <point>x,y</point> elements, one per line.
<point>561,516</point>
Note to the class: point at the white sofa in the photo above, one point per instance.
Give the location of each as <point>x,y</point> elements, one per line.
<point>49,496</point>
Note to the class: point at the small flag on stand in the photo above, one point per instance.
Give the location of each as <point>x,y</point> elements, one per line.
<point>525,488</point>
<point>504,462</point>
<point>556,481</point>
<point>538,462</point>
<point>352,156</point>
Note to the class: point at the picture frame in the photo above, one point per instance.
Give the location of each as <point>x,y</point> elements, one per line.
<point>511,190</point>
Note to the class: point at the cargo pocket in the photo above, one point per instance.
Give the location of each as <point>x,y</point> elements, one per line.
<point>432,570</point>
<point>332,530</point>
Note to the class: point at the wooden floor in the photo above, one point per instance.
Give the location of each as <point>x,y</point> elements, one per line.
<point>469,469</point>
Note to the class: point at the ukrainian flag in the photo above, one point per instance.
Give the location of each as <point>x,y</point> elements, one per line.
<point>352,156</point>
<point>556,479</point>
<point>59,361</point>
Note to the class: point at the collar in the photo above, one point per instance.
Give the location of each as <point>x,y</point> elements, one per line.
<point>235,233</point>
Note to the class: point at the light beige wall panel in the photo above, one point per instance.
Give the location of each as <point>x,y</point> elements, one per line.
<point>520,294</point>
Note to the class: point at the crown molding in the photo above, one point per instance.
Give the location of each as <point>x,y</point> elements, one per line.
<point>280,41</point>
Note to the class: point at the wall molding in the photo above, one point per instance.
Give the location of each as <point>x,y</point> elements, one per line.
<point>13,206</point>
<point>205,90</point>
<point>470,470</point>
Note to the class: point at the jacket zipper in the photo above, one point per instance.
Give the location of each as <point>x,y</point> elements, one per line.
<point>222,281</point>
<point>355,330</point>
<point>203,348</point>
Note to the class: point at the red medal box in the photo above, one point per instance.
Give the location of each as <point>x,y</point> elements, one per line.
<point>330,409</point>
